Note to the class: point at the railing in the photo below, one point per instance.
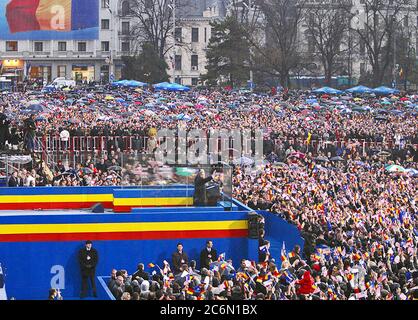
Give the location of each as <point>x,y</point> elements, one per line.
<point>53,143</point>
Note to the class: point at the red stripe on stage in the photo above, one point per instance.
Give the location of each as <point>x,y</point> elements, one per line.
<point>145,235</point>
<point>52,205</point>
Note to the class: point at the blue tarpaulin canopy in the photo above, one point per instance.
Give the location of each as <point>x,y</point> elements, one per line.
<point>170,87</point>
<point>385,90</point>
<point>129,83</point>
<point>327,90</point>
<point>360,90</point>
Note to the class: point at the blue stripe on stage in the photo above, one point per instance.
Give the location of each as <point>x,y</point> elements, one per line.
<point>154,193</point>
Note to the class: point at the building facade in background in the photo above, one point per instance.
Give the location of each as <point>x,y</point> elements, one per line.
<point>48,39</point>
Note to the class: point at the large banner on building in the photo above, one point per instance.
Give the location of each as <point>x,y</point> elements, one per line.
<point>49,19</point>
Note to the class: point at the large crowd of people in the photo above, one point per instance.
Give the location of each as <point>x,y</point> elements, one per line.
<point>355,208</point>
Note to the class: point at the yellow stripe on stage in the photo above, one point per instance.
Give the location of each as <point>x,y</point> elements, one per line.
<point>153,201</point>
<point>57,198</point>
<point>122,227</point>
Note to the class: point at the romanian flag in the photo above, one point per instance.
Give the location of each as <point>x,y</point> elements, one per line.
<point>226,284</point>
<point>190,291</point>
<point>151,265</point>
<point>292,254</point>
<point>224,265</point>
<point>52,15</point>
<point>276,273</point>
<point>308,140</point>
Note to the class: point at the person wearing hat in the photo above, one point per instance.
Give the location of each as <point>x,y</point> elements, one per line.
<point>88,259</point>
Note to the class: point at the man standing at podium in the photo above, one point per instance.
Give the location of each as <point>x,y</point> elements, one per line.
<point>199,188</point>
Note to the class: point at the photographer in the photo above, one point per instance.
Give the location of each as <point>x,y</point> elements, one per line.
<point>29,133</point>
<point>4,130</point>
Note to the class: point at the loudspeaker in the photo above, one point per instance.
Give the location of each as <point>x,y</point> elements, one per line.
<point>253,225</point>
<point>97,208</point>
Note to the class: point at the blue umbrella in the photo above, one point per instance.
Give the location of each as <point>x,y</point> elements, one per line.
<point>360,90</point>
<point>385,90</point>
<point>327,90</point>
<point>35,107</point>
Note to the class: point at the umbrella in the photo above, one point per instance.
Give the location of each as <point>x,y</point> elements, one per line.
<point>384,154</point>
<point>185,172</point>
<point>338,158</point>
<point>395,168</point>
<point>115,168</point>
<point>87,170</point>
<point>243,161</point>
<point>411,171</point>
<point>322,158</point>
<point>297,154</point>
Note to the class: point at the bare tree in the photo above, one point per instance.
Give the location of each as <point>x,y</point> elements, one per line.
<point>154,22</point>
<point>281,51</point>
<point>327,28</point>
<point>376,25</point>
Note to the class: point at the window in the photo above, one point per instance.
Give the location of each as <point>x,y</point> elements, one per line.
<point>126,28</point>
<point>105,4</point>
<point>126,46</point>
<point>105,24</point>
<point>177,80</point>
<point>11,46</point>
<point>178,34</point>
<point>82,46</point>
<point>38,46</point>
<point>178,62</point>
<point>62,71</point>
<point>195,81</point>
<point>105,46</point>
<point>195,34</point>
<point>62,46</point>
<point>206,36</point>
<point>195,61</point>
<point>126,8</point>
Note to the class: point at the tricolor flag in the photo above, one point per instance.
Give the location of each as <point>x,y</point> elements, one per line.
<point>283,253</point>
<point>51,15</point>
<point>221,257</point>
<point>151,265</point>
<point>190,291</point>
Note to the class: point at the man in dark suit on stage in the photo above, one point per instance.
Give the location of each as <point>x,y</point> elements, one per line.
<point>199,188</point>
<point>208,255</point>
<point>88,259</point>
<point>179,258</point>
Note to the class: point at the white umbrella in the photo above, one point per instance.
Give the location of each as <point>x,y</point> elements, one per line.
<point>244,161</point>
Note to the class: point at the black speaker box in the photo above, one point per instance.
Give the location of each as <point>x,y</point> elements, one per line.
<point>97,208</point>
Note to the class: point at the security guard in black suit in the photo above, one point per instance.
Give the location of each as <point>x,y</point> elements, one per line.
<point>88,259</point>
